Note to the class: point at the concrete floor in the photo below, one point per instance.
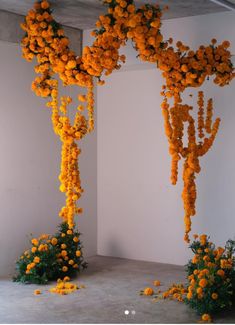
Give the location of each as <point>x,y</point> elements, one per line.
<point>112,286</point>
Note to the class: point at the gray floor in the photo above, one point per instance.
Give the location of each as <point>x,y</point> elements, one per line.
<point>112,286</point>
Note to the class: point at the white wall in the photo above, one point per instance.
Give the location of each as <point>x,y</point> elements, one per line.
<point>140,214</point>
<point>30,163</point>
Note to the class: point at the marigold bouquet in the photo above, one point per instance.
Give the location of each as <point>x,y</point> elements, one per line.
<point>51,257</point>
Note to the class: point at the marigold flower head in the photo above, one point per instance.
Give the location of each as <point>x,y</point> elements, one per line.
<point>78,253</point>
<point>206,318</point>
<point>54,241</point>
<point>148,292</point>
<point>45,4</point>
<point>214,296</point>
<point>203,283</point>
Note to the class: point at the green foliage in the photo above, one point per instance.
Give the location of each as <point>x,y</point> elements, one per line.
<point>51,257</point>
<point>211,275</point>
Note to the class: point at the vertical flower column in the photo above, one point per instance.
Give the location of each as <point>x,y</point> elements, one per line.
<point>175,118</point>
<point>69,134</point>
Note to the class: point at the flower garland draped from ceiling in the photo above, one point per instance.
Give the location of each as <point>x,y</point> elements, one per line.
<point>181,68</point>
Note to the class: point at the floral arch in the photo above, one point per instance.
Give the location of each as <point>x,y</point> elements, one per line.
<point>181,68</point>
<point>212,270</point>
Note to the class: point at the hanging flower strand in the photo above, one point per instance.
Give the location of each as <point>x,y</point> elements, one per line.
<point>175,118</point>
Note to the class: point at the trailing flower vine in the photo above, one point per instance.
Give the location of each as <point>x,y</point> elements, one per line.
<point>181,68</point>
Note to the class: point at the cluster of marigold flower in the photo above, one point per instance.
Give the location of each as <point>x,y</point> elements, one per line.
<point>176,292</point>
<point>63,287</point>
<point>123,21</point>
<point>63,256</point>
<point>41,245</point>
<point>45,40</point>
<point>181,68</point>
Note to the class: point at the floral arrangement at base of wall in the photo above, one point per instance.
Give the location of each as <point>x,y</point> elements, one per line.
<point>51,257</point>
<point>210,286</point>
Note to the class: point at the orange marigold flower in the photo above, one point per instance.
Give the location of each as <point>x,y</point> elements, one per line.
<point>156,283</point>
<point>148,292</point>
<point>214,296</point>
<point>45,5</point>
<point>78,253</point>
<point>54,241</point>
<point>203,283</point>
<point>36,259</point>
<point>206,318</point>
<point>35,242</point>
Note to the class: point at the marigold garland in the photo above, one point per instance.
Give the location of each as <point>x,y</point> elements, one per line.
<point>181,68</point>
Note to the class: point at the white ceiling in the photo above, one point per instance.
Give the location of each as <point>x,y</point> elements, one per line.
<point>83,14</point>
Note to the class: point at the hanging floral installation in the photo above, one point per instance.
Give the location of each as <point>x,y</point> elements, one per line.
<point>181,68</point>
<point>189,138</point>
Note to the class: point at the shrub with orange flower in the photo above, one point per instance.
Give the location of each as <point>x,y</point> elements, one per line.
<point>210,286</point>
<point>51,257</point>
<point>211,276</point>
